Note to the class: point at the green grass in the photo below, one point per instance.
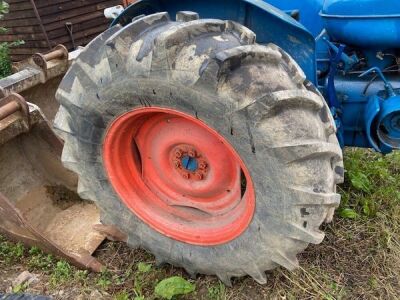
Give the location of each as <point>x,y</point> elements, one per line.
<point>372,183</point>
<point>5,62</point>
<point>10,253</point>
<point>359,258</point>
<point>217,291</point>
<point>37,260</point>
<point>62,272</point>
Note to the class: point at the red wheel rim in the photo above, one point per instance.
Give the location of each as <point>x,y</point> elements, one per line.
<point>179,176</point>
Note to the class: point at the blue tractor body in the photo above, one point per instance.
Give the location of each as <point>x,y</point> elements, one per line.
<point>350,49</point>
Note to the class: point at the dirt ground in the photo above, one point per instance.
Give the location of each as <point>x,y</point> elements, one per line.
<point>359,258</point>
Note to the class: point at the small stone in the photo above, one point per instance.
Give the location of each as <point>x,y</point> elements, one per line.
<point>24,277</point>
<point>95,295</point>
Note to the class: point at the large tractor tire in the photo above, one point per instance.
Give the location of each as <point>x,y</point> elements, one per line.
<point>210,151</point>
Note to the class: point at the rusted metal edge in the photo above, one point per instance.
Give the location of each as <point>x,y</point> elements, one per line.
<point>14,117</point>
<point>13,103</point>
<point>59,52</point>
<point>38,69</point>
<point>111,232</point>
<point>31,237</point>
<point>13,224</point>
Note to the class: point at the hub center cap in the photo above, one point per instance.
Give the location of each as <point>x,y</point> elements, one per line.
<point>189,162</point>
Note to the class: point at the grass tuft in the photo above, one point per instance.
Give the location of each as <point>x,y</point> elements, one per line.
<point>61,273</point>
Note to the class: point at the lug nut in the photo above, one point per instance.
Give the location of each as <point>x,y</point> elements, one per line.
<point>199,176</point>
<point>202,165</point>
<point>178,153</point>
<point>186,175</point>
<point>177,163</point>
<point>192,153</point>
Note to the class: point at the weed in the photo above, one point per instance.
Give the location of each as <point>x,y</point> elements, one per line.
<point>373,282</point>
<point>3,10</point>
<point>348,213</point>
<point>143,267</point>
<point>137,286</point>
<point>372,183</point>
<point>5,62</point>
<point>81,276</point>
<point>122,296</point>
<point>122,278</point>
<point>173,286</point>
<point>61,273</point>
<point>39,260</point>
<point>104,279</point>
<point>217,292</point>
<point>11,252</point>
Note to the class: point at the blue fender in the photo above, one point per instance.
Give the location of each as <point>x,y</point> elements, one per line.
<point>270,24</point>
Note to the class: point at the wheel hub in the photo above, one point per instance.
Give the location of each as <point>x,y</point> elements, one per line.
<point>189,162</point>
<point>179,176</point>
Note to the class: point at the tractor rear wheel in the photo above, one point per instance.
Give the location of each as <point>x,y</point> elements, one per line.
<point>203,147</point>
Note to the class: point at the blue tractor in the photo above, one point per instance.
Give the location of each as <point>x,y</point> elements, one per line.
<point>211,132</point>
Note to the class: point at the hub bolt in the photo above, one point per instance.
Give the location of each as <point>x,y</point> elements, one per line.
<point>177,163</point>
<point>199,176</point>
<point>202,165</point>
<point>178,153</point>
<point>192,153</point>
<point>186,175</point>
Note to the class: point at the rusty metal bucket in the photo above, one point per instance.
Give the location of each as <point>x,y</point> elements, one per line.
<point>38,201</point>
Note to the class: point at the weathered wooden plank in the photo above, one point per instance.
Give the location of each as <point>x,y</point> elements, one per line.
<point>66,6</point>
<point>75,20</point>
<point>77,27</point>
<point>78,11</point>
<point>23,30</point>
<point>22,14</point>
<point>22,37</point>
<point>86,17</point>
<point>26,4</point>
<point>20,22</point>
<point>82,34</point>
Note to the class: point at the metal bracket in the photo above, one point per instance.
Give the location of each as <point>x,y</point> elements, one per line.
<point>59,52</point>
<point>111,232</point>
<point>13,103</point>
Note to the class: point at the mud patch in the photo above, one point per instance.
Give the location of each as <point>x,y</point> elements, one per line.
<point>62,197</point>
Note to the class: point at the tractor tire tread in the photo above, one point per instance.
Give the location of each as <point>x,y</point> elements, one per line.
<point>255,95</point>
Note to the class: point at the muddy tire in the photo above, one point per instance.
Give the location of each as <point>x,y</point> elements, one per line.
<point>255,97</point>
